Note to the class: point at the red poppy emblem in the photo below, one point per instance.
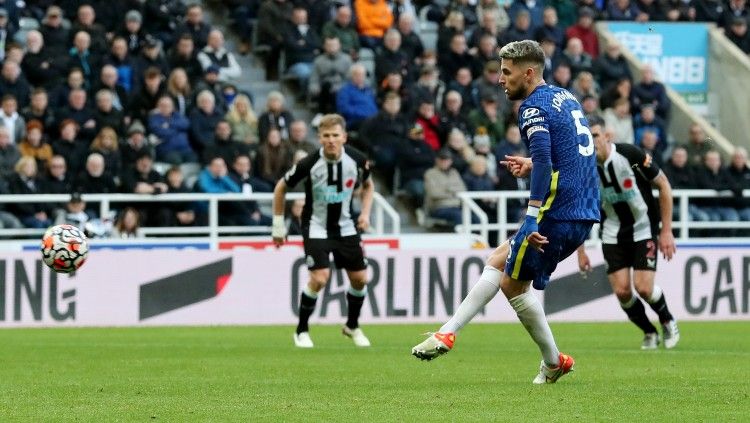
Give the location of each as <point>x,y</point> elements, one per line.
<point>349,183</point>
<point>627,184</point>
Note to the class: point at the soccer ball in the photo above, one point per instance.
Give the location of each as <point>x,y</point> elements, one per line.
<point>64,248</point>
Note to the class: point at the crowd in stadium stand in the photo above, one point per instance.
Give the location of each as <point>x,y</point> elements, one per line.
<point>102,90</point>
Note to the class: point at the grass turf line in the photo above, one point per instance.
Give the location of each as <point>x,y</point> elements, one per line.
<point>255,374</point>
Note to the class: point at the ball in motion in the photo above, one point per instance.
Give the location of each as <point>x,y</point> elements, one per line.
<point>64,248</point>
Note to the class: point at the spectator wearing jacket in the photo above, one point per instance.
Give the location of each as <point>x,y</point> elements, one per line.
<point>341,27</point>
<point>584,31</point>
<point>171,128</point>
<point>441,184</point>
<point>214,53</point>
<point>355,101</point>
<point>328,75</point>
<point>414,158</point>
<point>373,19</point>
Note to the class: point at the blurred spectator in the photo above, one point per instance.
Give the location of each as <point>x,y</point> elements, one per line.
<point>483,148</point>
<point>651,92</point>
<point>579,60</point>
<point>486,119</point>
<point>34,145</point>
<point>294,222</point>
<point>681,175</point>
<point>373,19</point>
<point>698,144</point>
<point>72,213</point>
<point>466,8</point>
<point>429,87</point>
<point>624,10</point>
<point>590,106</point>
<point>25,180</point>
<point>273,18</point>
<point>462,84</point>
<point>511,145</point>
<point>355,101</point>
<point>82,56</point>
<point>178,87</point>
<point>95,178</point>
<point>384,134</point>
<point>584,85</point>
<point>143,179</point>
<point>620,120</point>
<point>73,80</point>
<point>243,120</point>
<point>298,139</point>
<point>341,27</point>
<point>461,152</point>
<point>489,85</point>
<point>651,10</point>
<point>128,224</point>
<point>486,52</point>
<point>244,213</point>
<point>411,44</point>
<point>453,24</point>
<point>737,33</point>
<point>144,100</point>
<point>152,56</point>
<point>329,72</point>
<point>552,58</point>
<point>454,114</point>
<point>533,9</point>
<point>441,184</point>
<point>713,175</point>
<point>78,110</point>
<point>9,155</point>
<point>301,45</point>
<point>41,67</point>
<point>214,53</point>
<point>652,144</point>
<point>133,31</point>
<point>413,159</point>
<point>182,212</point>
<point>73,149</point>
<point>584,31</point>
<point>622,90</point>
<point>679,10</point>
<point>171,128</point>
<point>203,121</point>
<point>394,83</point>
<point>487,27</point>
<point>561,77</point>
<point>134,144</point>
<point>501,16</point>
<point>611,67</point>
<point>242,174</point>
<point>106,115</point>
<point>708,10</point>
<point>274,157</point>
<point>550,30</point>
<point>210,82</point>
<point>224,146</point>
<point>521,29</point>
<point>276,116</point>
<point>184,55</point>
<point>12,82</point>
<point>56,180</point>
<point>128,77</point>
<point>86,22</point>
<point>10,119</point>
<point>108,81</point>
<point>390,58</point>
<point>429,121</point>
<point>648,121</point>
<point>740,174</point>
<point>38,109</point>
<point>477,178</point>
<point>106,144</point>
<point>195,26</point>
<point>455,58</point>
<point>55,35</point>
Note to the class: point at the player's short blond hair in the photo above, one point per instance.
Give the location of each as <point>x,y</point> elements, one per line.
<point>525,51</point>
<point>330,120</point>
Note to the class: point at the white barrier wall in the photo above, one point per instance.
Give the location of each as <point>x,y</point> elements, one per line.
<point>168,287</point>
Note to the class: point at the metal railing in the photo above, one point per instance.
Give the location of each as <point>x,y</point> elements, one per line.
<point>384,218</point>
<point>682,224</point>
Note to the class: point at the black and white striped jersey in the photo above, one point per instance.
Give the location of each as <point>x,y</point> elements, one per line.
<point>328,192</point>
<point>630,212</point>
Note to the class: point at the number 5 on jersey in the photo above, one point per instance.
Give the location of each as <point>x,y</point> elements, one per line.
<point>582,129</point>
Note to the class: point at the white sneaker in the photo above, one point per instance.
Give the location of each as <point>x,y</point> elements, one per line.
<point>650,341</point>
<point>552,374</point>
<point>303,340</point>
<point>357,336</point>
<point>436,345</point>
<point>671,334</point>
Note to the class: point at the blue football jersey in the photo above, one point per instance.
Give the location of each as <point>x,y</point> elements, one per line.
<point>574,188</point>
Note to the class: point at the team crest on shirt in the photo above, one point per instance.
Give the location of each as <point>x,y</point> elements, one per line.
<point>530,112</point>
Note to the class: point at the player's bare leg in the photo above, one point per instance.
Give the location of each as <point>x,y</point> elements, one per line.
<point>308,298</point>
<point>654,296</point>
<point>355,298</point>
<point>633,307</point>
<point>482,293</point>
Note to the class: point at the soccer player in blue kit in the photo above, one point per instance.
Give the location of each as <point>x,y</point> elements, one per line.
<point>563,206</point>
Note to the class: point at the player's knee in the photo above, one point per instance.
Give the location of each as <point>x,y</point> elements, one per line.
<point>644,291</point>
<point>498,257</point>
<point>623,293</point>
<point>318,279</point>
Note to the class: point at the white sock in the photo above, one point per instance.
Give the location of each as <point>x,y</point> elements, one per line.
<point>357,292</point>
<point>656,294</point>
<point>629,303</point>
<point>481,294</point>
<point>309,292</point>
<point>531,314</point>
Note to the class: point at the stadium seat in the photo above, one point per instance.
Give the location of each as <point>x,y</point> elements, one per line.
<point>161,167</point>
<point>190,169</point>
<point>428,30</point>
<point>367,58</point>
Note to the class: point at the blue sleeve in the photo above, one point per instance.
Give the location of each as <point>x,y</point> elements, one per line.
<point>541,172</point>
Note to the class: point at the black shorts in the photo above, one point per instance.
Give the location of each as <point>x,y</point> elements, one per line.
<point>347,253</point>
<point>640,255</point>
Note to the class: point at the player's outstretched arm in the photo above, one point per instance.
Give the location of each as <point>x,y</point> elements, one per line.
<point>666,238</point>
<point>518,166</point>
<point>278,228</point>
<point>368,188</point>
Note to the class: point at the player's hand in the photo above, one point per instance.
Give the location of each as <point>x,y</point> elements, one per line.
<point>530,230</point>
<point>363,222</point>
<point>584,264</point>
<point>520,167</point>
<point>666,245</point>
<point>278,230</point>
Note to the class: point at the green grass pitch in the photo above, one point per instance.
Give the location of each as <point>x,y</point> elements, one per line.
<point>255,374</point>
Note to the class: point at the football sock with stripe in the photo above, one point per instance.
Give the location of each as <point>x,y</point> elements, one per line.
<point>531,314</point>
<point>637,314</point>
<point>307,300</point>
<point>658,303</point>
<point>354,299</point>
<point>481,294</point>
